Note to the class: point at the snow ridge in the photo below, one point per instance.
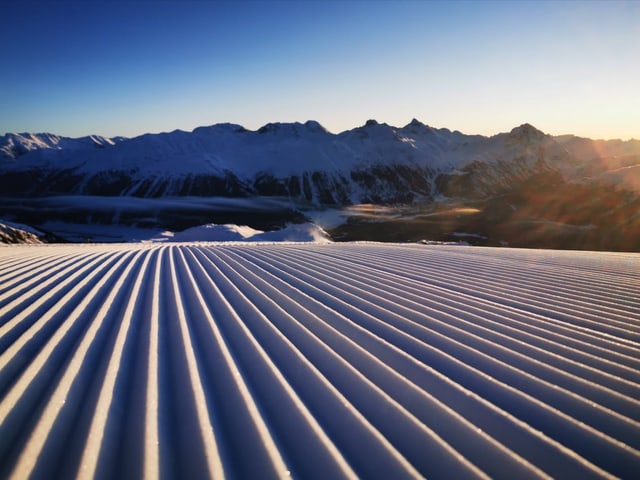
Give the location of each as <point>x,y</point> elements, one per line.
<point>13,145</point>
<point>318,361</point>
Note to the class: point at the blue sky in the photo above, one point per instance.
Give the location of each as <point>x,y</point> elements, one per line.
<point>125,68</point>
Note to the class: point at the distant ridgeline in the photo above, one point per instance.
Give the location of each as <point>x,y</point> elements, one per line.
<point>554,188</point>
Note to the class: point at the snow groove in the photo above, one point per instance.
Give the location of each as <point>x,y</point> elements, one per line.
<point>318,361</point>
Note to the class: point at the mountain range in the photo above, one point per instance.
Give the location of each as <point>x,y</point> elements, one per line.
<point>523,187</point>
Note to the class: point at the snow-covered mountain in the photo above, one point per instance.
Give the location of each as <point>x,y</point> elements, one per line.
<point>374,163</point>
<point>522,187</point>
<point>13,145</point>
<point>304,161</point>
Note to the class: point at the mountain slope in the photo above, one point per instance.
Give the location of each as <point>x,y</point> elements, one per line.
<point>373,163</point>
<point>524,171</point>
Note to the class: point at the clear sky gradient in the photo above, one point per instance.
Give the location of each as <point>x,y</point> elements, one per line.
<point>129,67</point>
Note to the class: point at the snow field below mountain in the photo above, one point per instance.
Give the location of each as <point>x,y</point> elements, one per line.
<point>318,361</point>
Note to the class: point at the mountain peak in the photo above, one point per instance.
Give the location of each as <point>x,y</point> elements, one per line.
<point>415,123</point>
<point>526,132</point>
<point>526,128</point>
<point>416,126</point>
<point>294,128</point>
<point>314,126</point>
<point>221,127</point>
<point>271,127</point>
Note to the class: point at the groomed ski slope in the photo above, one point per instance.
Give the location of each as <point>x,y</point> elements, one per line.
<point>318,361</point>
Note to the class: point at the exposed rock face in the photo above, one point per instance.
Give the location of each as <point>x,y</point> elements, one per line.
<point>10,233</point>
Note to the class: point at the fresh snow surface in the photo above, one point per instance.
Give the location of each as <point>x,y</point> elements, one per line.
<point>318,361</point>
<point>306,232</point>
<point>210,232</point>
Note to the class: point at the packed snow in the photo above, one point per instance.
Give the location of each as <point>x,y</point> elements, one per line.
<point>211,360</point>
